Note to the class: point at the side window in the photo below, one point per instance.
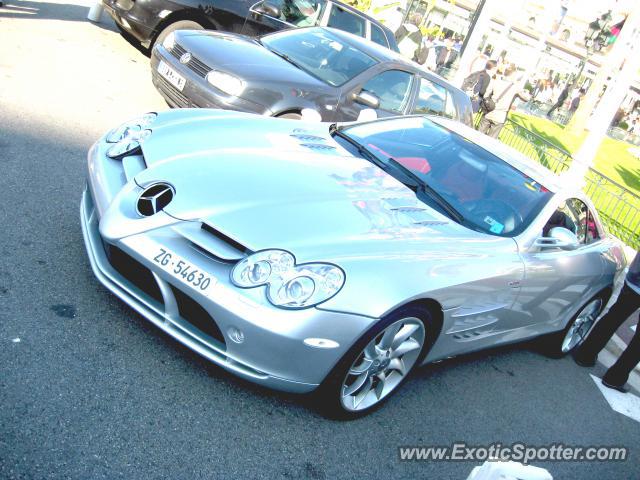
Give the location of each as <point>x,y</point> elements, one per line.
<point>378,36</point>
<point>392,88</point>
<point>345,20</point>
<point>576,217</point>
<point>301,13</point>
<point>434,99</point>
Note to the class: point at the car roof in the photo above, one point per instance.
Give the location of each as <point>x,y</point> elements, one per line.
<point>381,54</point>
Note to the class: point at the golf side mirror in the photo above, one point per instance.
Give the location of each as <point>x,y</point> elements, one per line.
<point>367,99</point>
<point>269,9</point>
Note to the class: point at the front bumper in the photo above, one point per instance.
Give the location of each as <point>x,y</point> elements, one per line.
<point>133,19</point>
<point>273,352</point>
<point>197,92</point>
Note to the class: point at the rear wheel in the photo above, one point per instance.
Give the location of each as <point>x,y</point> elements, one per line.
<point>377,364</point>
<point>179,25</point>
<point>560,344</point>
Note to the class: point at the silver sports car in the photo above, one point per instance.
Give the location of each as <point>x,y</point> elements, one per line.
<point>337,258</point>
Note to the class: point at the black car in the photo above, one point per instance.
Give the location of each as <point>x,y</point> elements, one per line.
<point>150,21</point>
<point>330,71</point>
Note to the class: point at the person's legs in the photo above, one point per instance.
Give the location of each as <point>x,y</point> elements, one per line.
<point>618,373</point>
<point>494,129</point>
<point>552,109</point>
<point>485,125</point>
<point>627,303</point>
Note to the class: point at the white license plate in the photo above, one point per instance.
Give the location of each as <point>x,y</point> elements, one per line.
<point>173,77</point>
<point>183,270</point>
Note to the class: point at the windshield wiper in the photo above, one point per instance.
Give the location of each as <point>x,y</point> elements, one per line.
<point>333,130</point>
<point>416,183</point>
<point>429,190</point>
<point>284,56</point>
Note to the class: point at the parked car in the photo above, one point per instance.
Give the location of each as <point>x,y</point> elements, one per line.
<point>336,258</point>
<point>149,22</point>
<point>330,71</point>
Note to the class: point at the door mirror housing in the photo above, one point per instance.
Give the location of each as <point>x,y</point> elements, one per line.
<point>267,8</point>
<point>367,99</point>
<point>559,237</point>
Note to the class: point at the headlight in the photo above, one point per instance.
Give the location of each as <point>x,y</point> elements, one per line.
<point>288,285</point>
<point>128,137</point>
<point>229,84</point>
<point>128,145</point>
<point>169,41</point>
<point>132,126</point>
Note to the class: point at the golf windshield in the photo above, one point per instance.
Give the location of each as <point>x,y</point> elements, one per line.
<point>319,53</point>
<point>488,193</point>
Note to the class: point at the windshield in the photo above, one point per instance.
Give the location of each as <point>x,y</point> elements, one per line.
<point>489,194</point>
<point>320,53</point>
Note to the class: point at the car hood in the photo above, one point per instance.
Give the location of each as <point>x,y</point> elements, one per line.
<point>292,188</point>
<point>244,57</point>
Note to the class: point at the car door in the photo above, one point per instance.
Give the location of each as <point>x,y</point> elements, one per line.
<point>393,87</point>
<point>433,99</point>
<point>342,18</point>
<point>291,13</point>
<point>557,282</point>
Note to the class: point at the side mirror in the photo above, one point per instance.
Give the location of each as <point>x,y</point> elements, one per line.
<point>266,8</point>
<point>367,99</point>
<point>559,237</point>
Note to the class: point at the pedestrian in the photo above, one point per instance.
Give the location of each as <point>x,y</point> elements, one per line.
<point>480,61</point>
<point>446,56</point>
<point>575,103</point>
<point>561,99</point>
<point>477,84</point>
<point>628,302</point>
<point>503,91</point>
<point>409,37</point>
<point>427,53</point>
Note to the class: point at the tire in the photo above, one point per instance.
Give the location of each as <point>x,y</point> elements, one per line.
<point>291,116</point>
<point>341,397</point>
<point>559,344</point>
<point>179,25</point>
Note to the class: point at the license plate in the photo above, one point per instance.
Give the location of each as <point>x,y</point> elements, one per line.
<point>184,271</point>
<point>173,77</point>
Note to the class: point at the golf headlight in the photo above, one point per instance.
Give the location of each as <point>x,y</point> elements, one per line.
<point>288,285</point>
<point>229,84</point>
<point>128,137</point>
<point>169,41</point>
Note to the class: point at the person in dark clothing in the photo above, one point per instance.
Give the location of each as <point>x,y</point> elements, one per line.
<point>575,103</point>
<point>477,84</point>
<point>561,99</point>
<point>628,302</point>
<point>446,55</point>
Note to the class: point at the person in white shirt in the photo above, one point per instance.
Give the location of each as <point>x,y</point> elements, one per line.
<point>502,91</point>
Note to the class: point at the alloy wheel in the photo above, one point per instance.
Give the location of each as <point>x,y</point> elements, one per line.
<point>383,364</point>
<point>581,326</point>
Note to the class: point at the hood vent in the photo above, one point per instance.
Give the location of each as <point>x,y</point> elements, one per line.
<point>308,137</point>
<point>211,242</point>
<point>318,146</point>
<point>228,240</point>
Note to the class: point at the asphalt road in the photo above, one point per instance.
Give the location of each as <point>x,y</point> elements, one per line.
<point>89,389</point>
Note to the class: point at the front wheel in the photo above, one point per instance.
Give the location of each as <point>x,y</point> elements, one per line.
<point>377,364</point>
<point>179,25</point>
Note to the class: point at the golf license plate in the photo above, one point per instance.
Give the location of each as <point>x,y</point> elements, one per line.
<point>173,77</point>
